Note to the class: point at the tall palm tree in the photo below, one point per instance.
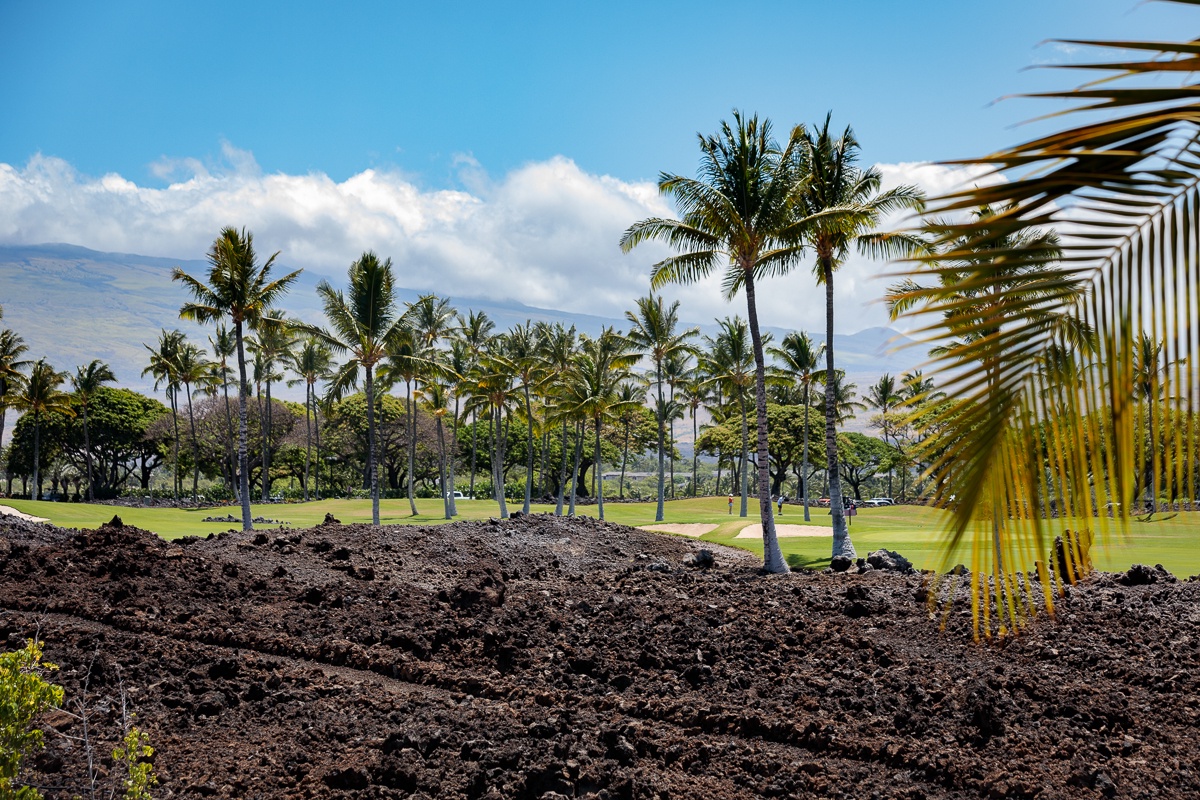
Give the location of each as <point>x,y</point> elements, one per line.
<point>363,322</point>
<point>12,367</point>
<point>435,396</point>
<point>238,288</point>
<point>458,364</point>
<point>431,319</point>
<point>676,371</point>
<point>192,369</point>
<point>475,330</point>
<point>592,391</point>
<point>728,364</point>
<point>224,347</point>
<point>800,359</point>
<point>40,395</point>
<point>559,350</point>
<point>521,345</point>
<point>272,347</point>
<point>654,328</point>
<point>407,364</point>
<point>312,361</point>
<point>739,214</point>
<point>86,382</point>
<point>841,206</point>
<point>631,395</point>
<point>164,367</point>
<point>885,396</point>
<point>493,393</point>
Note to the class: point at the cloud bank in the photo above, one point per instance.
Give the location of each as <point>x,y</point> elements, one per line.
<point>544,234</point>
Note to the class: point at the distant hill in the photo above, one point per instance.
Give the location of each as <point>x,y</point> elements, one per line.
<point>73,304</point>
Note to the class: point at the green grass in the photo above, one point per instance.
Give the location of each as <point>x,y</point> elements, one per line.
<point>911,530</point>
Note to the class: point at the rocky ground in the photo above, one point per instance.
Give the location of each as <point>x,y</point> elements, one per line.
<point>547,658</point>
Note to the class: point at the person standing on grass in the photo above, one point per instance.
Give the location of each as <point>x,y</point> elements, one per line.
<point>782,500</point>
<point>730,504</point>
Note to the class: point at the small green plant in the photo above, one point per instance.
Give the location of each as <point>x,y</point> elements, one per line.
<point>24,694</point>
<point>132,758</point>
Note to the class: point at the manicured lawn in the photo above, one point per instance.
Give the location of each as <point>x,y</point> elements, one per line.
<point>911,530</point>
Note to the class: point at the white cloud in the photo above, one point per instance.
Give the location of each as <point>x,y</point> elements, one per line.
<point>544,234</point>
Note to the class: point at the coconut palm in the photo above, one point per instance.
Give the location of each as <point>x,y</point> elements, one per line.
<point>241,289</point>
<point>312,361</point>
<point>654,329</point>
<point>677,370</point>
<point>493,393</point>
<point>558,346</point>
<point>800,358</point>
<point>362,324</point>
<point>272,348</point>
<point>86,382</point>
<point>407,364</point>
<point>435,396</point>
<point>592,390</point>
<point>12,367</point>
<point>728,365</point>
<point>431,319</point>
<point>474,330</point>
<point>886,396</point>
<point>841,206</point>
<point>631,395</point>
<point>521,348</point>
<point>39,396</point>
<point>739,214</point>
<point>192,369</point>
<point>164,368</point>
<point>224,347</point>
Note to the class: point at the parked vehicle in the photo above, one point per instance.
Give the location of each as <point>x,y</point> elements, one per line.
<point>823,502</point>
<point>883,501</point>
<point>458,496</point>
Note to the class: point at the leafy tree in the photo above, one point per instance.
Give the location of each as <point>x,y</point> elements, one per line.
<point>861,457</point>
<point>238,288</point>
<point>363,324</point>
<point>632,397</point>
<point>739,214</point>
<point>475,330</point>
<point>729,366</point>
<point>164,367</point>
<point>272,348</point>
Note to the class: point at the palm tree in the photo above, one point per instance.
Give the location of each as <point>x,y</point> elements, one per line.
<point>363,324</point>
<point>406,363</point>
<point>312,361</point>
<point>431,319</point>
<point>12,366</point>
<point>559,349</point>
<point>458,364</point>
<point>654,329</point>
<point>475,331</point>
<point>676,372</point>
<point>224,347</point>
<point>435,397</point>
<point>239,288</point>
<point>521,345</point>
<point>840,207</point>
<point>885,396</point>
<point>632,396</point>
<point>272,347</point>
<point>492,392</point>
<point>164,367</point>
<point>800,358</point>
<point>592,391</point>
<point>193,369</point>
<point>845,403</point>
<point>728,365</point>
<point>86,382</point>
<point>40,396</point>
<point>739,214</point>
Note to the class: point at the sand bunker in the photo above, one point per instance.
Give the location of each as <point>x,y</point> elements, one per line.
<point>755,531</point>
<point>12,512</point>
<point>694,529</point>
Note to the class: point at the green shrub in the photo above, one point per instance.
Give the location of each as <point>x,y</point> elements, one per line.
<point>24,694</point>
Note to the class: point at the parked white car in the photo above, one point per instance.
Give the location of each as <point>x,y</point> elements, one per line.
<point>882,501</point>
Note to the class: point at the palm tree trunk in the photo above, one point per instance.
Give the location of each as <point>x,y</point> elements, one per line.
<point>695,454</point>
<point>672,440</point>
<point>575,468</point>
<point>233,469</point>
<point>562,473</point>
<point>372,469</point>
<point>307,436</point>
<point>195,448</point>
<point>412,442</point>
<point>175,449</point>
<point>453,452</point>
<point>624,459</point>
<point>599,471</point>
<point>447,498</point>
<point>474,428</point>
<point>317,437</point>
<point>804,459</point>
<point>498,463</point>
<point>37,452</point>
<point>744,460</point>
<point>243,455</point>
<point>529,455</point>
<point>545,450</point>
<point>842,546</point>
<point>720,463</point>
<point>266,454</point>
<point>772,555</point>
<point>87,450</point>
<point>658,514</point>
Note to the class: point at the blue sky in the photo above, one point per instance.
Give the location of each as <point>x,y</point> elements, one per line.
<point>619,87</point>
<point>494,149</point>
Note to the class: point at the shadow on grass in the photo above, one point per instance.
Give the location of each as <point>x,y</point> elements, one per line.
<point>799,561</point>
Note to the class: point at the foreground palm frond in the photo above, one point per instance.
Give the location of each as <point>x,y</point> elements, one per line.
<point>1059,419</point>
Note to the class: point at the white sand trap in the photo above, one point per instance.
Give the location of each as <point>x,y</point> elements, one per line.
<point>693,529</point>
<point>755,531</point>
<point>9,511</point>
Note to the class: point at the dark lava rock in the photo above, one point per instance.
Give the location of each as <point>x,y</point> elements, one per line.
<point>703,559</point>
<point>841,563</point>
<point>115,522</point>
<point>330,519</point>
<point>891,561</point>
<point>1142,575</point>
